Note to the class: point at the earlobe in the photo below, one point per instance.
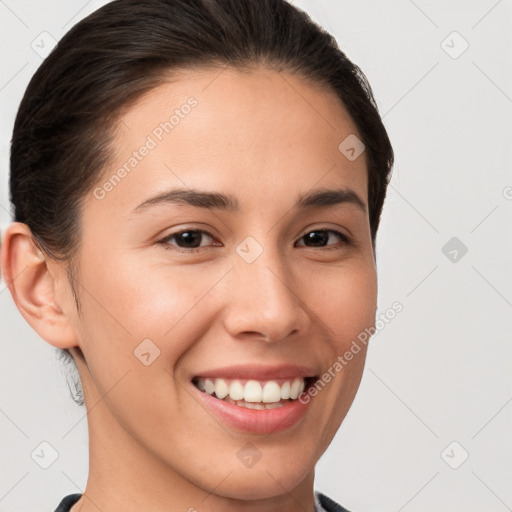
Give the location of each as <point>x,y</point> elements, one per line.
<point>33,286</point>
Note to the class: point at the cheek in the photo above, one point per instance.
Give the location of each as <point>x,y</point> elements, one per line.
<point>137,324</point>
<point>128,304</point>
<point>345,300</point>
<point>343,304</point>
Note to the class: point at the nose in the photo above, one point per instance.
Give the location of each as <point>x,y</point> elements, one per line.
<point>264,300</point>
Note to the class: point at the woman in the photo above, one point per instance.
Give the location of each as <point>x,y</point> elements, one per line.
<point>197,187</point>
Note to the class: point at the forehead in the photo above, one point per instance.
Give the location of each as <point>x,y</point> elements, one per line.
<point>257,133</point>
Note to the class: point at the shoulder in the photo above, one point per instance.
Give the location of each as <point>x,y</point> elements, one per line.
<point>67,502</point>
<point>325,504</point>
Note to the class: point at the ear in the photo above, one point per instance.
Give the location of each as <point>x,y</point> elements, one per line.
<point>38,288</point>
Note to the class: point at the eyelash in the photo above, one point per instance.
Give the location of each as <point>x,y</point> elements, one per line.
<point>165,241</point>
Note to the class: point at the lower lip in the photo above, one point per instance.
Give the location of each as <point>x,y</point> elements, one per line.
<point>266,421</point>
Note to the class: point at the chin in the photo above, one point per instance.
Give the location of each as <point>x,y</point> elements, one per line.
<point>259,485</point>
<point>265,479</point>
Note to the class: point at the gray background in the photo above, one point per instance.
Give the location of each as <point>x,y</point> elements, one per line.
<point>440,372</point>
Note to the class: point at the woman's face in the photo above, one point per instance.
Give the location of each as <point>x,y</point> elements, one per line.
<point>261,287</point>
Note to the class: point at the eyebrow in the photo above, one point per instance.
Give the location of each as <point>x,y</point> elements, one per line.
<point>214,200</point>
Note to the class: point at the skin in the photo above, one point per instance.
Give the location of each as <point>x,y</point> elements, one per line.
<point>265,137</point>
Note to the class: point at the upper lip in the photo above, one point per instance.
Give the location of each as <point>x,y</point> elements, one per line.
<point>258,372</point>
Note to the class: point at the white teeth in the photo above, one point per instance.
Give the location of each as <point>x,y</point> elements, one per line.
<point>221,388</point>
<point>267,394</point>
<point>209,386</point>
<point>236,391</point>
<point>273,406</point>
<point>295,390</point>
<point>285,391</point>
<point>259,407</point>
<point>271,392</point>
<point>251,405</point>
<point>252,391</point>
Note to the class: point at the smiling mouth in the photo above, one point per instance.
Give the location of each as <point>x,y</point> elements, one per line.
<point>255,394</point>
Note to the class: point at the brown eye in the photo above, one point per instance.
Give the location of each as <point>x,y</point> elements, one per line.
<point>320,237</point>
<point>187,239</point>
